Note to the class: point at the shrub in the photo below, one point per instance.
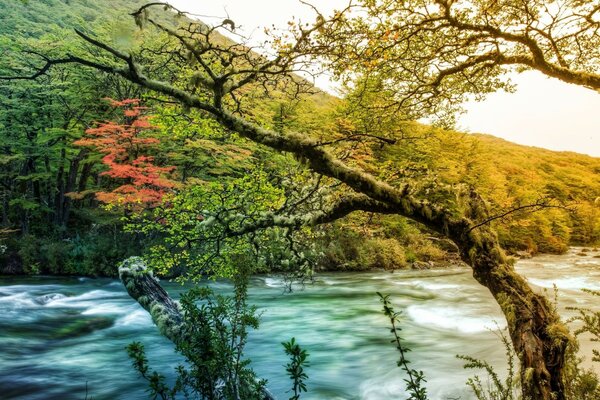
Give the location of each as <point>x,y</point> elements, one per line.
<point>29,252</point>
<point>55,256</point>
<point>215,330</point>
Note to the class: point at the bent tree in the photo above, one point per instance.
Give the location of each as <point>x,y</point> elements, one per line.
<point>217,77</point>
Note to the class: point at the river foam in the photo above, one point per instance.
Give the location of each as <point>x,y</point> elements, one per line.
<point>570,283</point>
<point>72,332</point>
<point>451,318</point>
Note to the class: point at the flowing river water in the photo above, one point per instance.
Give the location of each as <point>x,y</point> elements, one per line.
<point>63,338</point>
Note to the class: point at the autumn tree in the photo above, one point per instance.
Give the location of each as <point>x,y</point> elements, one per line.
<point>125,148</point>
<point>218,78</point>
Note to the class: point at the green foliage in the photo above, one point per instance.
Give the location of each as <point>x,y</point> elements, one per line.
<point>212,228</point>
<point>156,382</point>
<point>365,241</point>
<point>93,253</point>
<point>348,250</point>
<point>215,331</point>
<point>49,183</point>
<point>506,175</point>
<point>188,222</point>
<point>33,19</point>
<point>52,230</point>
<point>590,323</point>
<point>29,253</point>
<point>295,368</point>
<point>199,147</point>
<point>580,383</point>
<point>416,379</point>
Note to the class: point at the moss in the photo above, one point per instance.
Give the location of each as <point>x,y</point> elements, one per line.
<point>133,266</point>
<point>427,212</point>
<point>528,376</point>
<point>81,327</point>
<point>473,253</point>
<point>499,255</point>
<point>406,205</point>
<point>144,302</point>
<point>559,333</point>
<point>508,308</point>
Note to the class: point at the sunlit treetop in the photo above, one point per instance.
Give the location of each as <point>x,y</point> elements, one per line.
<point>433,54</point>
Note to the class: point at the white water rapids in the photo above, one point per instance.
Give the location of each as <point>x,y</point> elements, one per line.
<point>57,334</point>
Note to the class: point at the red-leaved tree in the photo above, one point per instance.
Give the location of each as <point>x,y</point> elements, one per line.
<point>125,152</point>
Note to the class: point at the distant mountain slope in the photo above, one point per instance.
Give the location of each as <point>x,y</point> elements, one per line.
<point>33,18</point>
<point>507,175</point>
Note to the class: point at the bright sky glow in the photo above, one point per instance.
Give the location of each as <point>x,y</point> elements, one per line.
<point>543,112</point>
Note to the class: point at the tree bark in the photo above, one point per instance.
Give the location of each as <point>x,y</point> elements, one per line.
<point>144,288</point>
<point>538,336</point>
<point>60,188</point>
<point>70,185</point>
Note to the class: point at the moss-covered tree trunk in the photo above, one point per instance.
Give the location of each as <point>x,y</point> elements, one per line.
<point>537,334</point>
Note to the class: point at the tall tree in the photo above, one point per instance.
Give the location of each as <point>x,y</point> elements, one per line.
<point>433,54</point>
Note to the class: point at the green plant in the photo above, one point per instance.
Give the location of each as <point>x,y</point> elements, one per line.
<point>580,383</point>
<point>583,384</point>
<point>410,256</point>
<point>415,380</point>
<point>215,329</point>
<point>29,252</point>
<point>295,368</point>
<point>590,323</point>
<point>55,255</point>
<point>496,387</point>
<point>156,382</point>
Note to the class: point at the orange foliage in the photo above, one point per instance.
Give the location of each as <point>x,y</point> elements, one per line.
<point>145,183</point>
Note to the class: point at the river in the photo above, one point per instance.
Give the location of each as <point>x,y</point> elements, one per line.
<point>59,336</point>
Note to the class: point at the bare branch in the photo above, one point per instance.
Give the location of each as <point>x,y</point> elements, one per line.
<point>541,204</point>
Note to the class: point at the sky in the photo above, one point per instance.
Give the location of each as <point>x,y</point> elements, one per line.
<point>544,112</point>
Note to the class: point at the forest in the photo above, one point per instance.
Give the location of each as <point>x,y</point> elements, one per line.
<point>139,142</point>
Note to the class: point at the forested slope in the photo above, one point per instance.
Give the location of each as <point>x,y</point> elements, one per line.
<point>52,220</point>
<point>510,176</point>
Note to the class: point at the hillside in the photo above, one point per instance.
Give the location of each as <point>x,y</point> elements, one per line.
<point>509,175</point>
<point>33,19</point>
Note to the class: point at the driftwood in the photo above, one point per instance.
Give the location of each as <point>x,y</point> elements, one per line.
<point>165,312</point>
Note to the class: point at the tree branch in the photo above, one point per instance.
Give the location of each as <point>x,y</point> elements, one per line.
<point>537,206</point>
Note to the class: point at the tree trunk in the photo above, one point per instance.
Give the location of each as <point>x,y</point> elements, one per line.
<point>5,207</point>
<point>165,312</point>
<point>60,188</point>
<point>70,185</point>
<point>538,336</point>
